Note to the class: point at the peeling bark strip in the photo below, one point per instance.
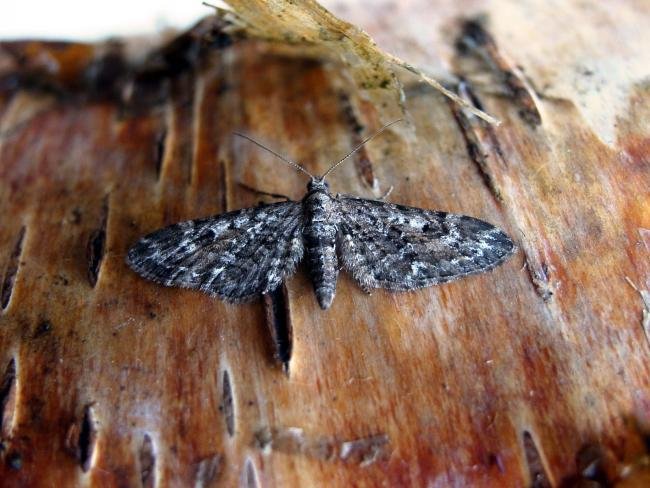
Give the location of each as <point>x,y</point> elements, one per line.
<point>278,321</point>
<point>7,400</point>
<point>538,476</point>
<point>361,159</point>
<point>309,24</point>
<point>96,246</point>
<point>474,39</point>
<point>9,276</point>
<point>147,463</point>
<point>227,407</point>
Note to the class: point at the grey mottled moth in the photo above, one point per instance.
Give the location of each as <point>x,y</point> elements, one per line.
<point>239,255</point>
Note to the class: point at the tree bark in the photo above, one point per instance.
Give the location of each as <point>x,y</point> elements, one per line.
<point>534,374</point>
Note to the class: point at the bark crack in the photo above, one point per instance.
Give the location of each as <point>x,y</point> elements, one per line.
<point>476,40</point>
<point>11,270</point>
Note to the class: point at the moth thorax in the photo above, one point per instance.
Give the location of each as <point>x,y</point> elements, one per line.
<point>320,197</point>
<point>319,206</point>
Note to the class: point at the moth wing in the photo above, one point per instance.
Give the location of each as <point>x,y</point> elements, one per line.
<point>235,256</point>
<point>383,245</point>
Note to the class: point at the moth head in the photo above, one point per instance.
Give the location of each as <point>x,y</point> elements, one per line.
<point>318,184</point>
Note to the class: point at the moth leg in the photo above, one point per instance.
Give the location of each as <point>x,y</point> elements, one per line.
<point>262,192</point>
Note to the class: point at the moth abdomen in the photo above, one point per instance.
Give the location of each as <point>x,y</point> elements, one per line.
<point>320,233</point>
<point>323,265</point>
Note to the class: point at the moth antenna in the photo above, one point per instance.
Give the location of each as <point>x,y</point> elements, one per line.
<point>335,165</point>
<point>286,160</point>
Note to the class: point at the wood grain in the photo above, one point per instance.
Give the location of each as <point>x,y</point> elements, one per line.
<point>535,374</point>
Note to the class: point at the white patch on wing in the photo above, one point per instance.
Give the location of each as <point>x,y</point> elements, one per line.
<point>417,266</point>
<point>484,245</point>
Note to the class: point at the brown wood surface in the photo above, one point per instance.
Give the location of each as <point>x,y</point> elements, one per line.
<point>533,374</point>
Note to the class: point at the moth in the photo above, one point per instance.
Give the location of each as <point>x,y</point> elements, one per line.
<point>240,255</point>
